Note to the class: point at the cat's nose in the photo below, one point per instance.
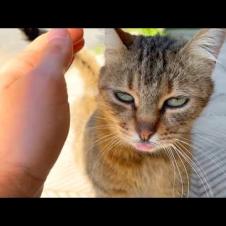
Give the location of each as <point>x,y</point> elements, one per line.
<point>145,130</point>
<point>145,134</point>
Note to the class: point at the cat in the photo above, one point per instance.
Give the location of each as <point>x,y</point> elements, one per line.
<point>135,133</point>
<point>151,90</point>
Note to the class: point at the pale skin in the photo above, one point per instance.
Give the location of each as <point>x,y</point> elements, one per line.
<point>34,112</point>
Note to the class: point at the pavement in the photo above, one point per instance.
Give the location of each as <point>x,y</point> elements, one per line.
<point>67,180</point>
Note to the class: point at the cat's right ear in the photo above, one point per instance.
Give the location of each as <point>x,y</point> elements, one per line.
<point>206,44</point>
<point>116,41</point>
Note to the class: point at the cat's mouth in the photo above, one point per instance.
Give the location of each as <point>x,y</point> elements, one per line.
<point>145,146</point>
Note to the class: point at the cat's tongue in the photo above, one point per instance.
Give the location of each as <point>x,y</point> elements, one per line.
<point>144,146</point>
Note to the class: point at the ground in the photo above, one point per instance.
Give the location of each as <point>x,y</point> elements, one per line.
<point>65,180</point>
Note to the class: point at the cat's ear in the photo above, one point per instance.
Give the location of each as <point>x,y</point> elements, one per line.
<point>116,41</point>
<point>206,44</point>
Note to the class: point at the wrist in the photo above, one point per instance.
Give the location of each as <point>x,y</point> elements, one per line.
<point>19,182</point>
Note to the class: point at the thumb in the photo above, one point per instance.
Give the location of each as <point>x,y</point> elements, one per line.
<point>53,52</point>
<point>50,54</point>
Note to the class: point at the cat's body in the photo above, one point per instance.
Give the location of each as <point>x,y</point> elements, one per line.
<point>134,134</point>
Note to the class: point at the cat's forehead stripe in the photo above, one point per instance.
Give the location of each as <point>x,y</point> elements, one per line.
<point>151,55</point>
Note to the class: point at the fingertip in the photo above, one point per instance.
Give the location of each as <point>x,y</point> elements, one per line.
<point>58,33</point>
<point>78,46</point>
<point>76,34</point>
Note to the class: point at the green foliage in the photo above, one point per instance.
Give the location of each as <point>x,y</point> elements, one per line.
<point>98,49</point>
<point>147,31</point>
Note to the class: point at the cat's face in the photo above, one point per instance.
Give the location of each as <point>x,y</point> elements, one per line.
<point>152,89</point>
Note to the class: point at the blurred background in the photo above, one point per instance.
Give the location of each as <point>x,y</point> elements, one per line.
<point>66,179</point>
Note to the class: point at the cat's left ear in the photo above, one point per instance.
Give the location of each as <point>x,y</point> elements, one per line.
<point>206,44</point>
<point>116,41</point>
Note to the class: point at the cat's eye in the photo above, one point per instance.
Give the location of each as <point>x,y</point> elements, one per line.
<point>176,102</point>
<point>124,97</point>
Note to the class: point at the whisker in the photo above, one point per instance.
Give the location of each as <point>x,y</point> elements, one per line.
<point>189,158</point>
<point>188,180</point>
<point>173,166</point>
<point>106,150</point>
<point>182,186</point>
<point>213,155</point>
<point>204,181</point>
<point>189,161</point>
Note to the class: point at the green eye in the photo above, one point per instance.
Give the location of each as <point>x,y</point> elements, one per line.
<point>176,102</point>
<point>124,97</point>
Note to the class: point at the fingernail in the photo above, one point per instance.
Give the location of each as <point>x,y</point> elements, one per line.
<point>58,33</point>
<point>79,46</point>
<point>78,42</point>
